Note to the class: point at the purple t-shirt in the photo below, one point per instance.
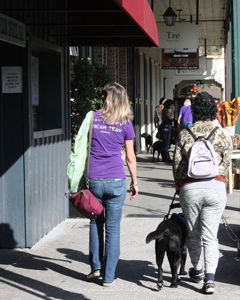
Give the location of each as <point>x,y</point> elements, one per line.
<point>107,141</point>
<point>186,112</point>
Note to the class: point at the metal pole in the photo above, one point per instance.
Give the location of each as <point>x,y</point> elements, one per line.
<point>197,9</point>
<point>236,54</point>
<point>164,78</point>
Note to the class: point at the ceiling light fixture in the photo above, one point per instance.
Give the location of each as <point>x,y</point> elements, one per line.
<point>170,16</point>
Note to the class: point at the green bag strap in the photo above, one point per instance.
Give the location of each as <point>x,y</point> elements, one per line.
<point>89,150</point>
<point>78,157</point>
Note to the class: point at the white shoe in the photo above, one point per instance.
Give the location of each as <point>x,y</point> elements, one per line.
<point>108,284</point>
<point>209,287</point>
<point>94,274</point>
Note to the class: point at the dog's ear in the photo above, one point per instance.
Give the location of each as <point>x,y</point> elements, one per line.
<point>166,233</point>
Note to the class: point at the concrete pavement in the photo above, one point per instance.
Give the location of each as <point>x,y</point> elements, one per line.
<point>56,267</point>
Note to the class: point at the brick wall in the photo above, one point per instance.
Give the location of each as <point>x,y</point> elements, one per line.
<point>116,59</point>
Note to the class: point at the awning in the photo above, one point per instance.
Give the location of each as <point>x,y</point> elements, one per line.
<point>111,22</point>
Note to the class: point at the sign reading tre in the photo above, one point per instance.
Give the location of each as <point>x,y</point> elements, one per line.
<point>182,35</point>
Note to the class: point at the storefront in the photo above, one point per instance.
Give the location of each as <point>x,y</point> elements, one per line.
<point>35,103</point>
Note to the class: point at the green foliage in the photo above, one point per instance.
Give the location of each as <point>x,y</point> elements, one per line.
<point>87,85</point>
<point>190,90</point>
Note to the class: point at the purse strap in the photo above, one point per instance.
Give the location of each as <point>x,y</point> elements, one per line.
<point>89,149</point>
<point>185,111</point>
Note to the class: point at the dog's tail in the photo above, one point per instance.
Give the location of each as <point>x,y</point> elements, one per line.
<point>156,235</point>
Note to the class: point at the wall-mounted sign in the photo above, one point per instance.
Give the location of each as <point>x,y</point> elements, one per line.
<point>35,81</point>
<point>180,53</point>
<point>202,70</point>
<point>182,35</point>
<point>11,80</point>
<point>169,61</point>
<point>12,31</point>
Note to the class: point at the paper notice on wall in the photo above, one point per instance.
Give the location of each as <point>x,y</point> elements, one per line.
<point>11,80</point>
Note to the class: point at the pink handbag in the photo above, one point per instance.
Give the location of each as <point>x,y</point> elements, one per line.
<point>86,203</point>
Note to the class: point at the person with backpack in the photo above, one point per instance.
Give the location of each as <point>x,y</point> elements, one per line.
<point>201,160</point>
<point>112,127</point>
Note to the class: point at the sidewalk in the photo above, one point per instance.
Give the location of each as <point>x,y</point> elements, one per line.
<point>56,267</point>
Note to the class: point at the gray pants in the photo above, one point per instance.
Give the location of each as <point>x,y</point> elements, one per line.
<point>202,209</point>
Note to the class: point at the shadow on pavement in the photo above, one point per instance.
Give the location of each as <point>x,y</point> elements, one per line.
<point>228,270</point>
<point>42,263</point>
<point>139,271</point>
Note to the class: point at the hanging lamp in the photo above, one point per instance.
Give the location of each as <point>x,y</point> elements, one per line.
<point>170,16</point>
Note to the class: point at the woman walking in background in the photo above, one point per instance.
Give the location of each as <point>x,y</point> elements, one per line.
<point>112,127</point>
<point>186,114</point>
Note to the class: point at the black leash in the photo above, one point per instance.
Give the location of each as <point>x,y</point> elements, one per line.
<point>171,206</point>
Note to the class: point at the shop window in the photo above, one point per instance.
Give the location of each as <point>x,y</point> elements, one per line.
<point>46,89</point>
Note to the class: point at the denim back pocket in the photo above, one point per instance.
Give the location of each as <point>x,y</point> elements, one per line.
<point>117,187</point>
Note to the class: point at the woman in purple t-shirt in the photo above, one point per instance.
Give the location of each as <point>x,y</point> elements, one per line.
<point>186,114</point>
<point>112,127</point>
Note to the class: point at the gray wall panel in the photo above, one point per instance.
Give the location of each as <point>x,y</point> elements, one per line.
<point>13,209</point>
<point>12,223</point>
<point>33,181</point>
<point>47,208</point>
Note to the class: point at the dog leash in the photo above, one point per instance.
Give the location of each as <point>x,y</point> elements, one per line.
<point>225,223</point>
<point>171,206</point>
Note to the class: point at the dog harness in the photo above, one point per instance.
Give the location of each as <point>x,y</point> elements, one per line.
<point>182,223</point>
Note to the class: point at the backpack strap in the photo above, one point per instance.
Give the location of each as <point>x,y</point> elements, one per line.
<point>212,132</point>
<point>207,138</point>
<point>192,134</point>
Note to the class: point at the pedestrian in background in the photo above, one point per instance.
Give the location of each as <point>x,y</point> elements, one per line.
<point>186,114</point>
<point>158,113</point>
<point>166,128</point>
<point>202,200</point>
<point>112,127</point>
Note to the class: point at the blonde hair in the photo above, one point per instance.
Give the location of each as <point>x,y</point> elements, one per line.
<point>187,102</point>
<point>116,107</point>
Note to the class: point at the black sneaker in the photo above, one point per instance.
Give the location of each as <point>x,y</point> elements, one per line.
<point>209,287</point>
<point>197,278</point>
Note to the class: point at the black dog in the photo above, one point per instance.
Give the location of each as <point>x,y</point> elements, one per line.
<point>170,237</point>
<point>157,146</point>
<point>148,140</point>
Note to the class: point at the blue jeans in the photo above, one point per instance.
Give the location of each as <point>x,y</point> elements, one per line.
<point>186,124</point>
<point>166,139</point>
<point>111,193</point>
